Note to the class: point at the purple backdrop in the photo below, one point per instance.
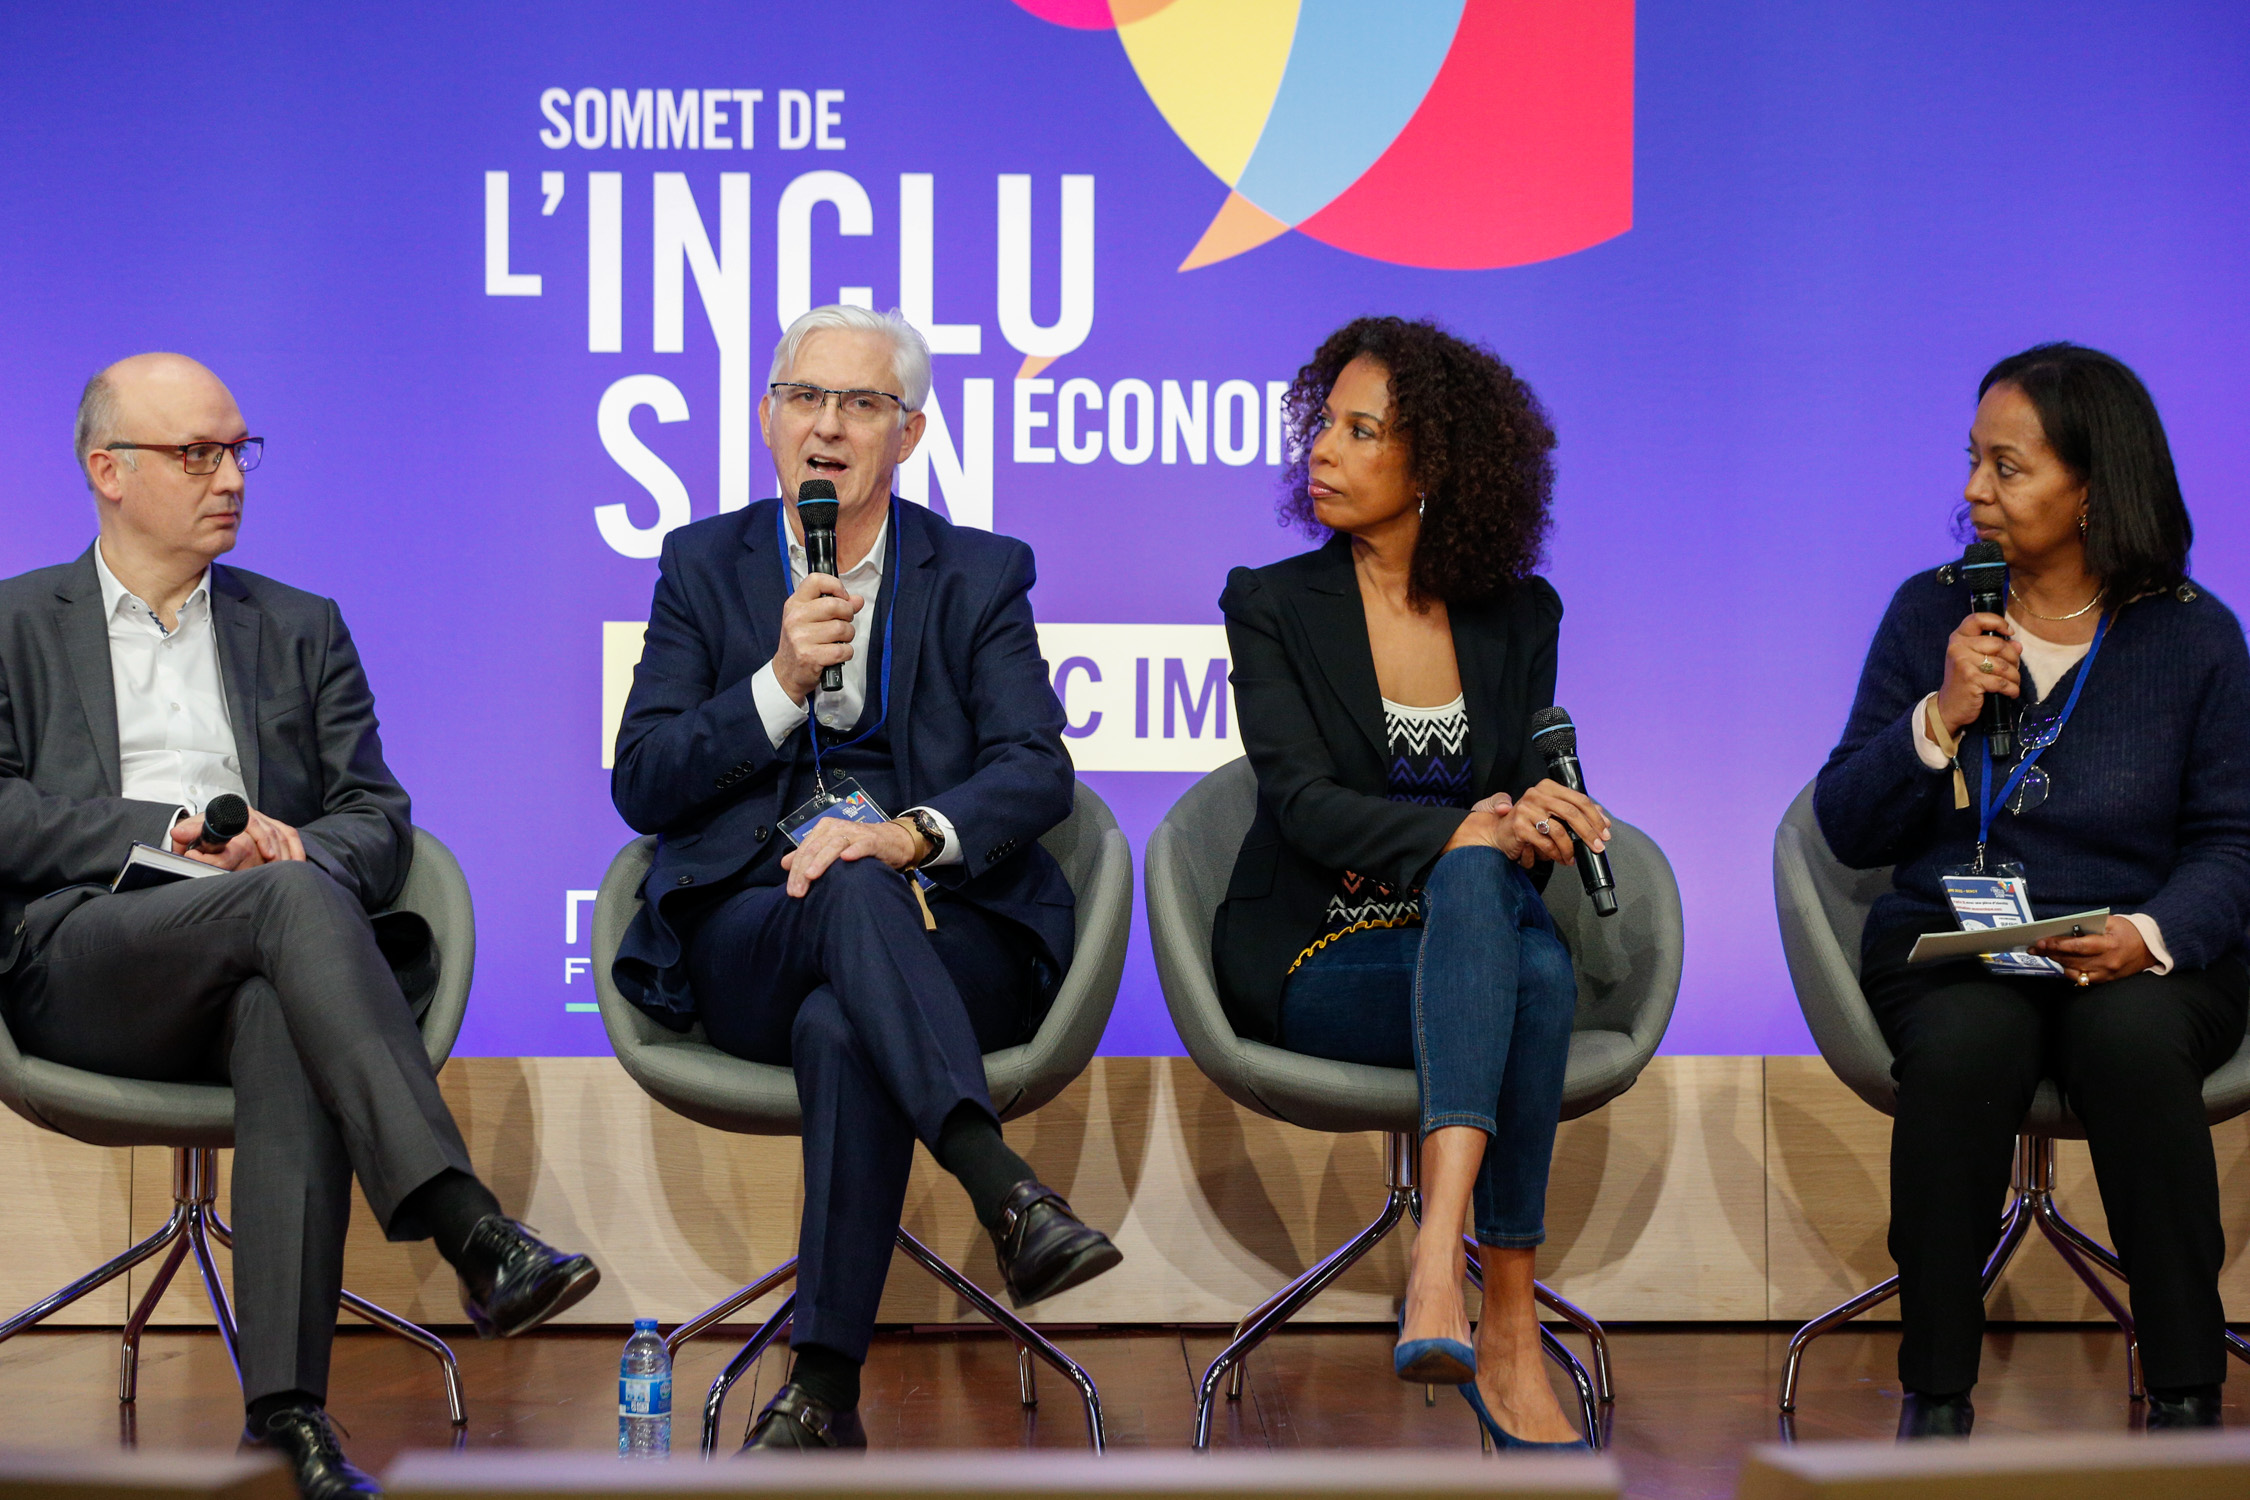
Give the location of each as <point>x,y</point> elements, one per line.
<point>1841,215</point>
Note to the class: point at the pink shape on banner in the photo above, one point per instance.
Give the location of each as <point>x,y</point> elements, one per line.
<point>1083,15</point>
<point>1522,150</point>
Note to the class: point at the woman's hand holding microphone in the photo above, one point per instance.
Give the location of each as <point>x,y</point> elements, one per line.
<point>1977,662</point>
<point>1536,828</point>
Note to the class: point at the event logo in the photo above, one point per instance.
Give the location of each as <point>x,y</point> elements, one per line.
<point>1438,133</point>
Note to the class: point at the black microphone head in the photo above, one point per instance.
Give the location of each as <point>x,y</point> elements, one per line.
<point>1982,566</point>
<point>1553,733</point>
<point>224,816</point>
<point>816,505</point>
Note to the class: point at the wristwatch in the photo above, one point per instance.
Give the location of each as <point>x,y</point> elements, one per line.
<point>920,821</point>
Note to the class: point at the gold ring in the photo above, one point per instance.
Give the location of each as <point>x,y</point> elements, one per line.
<point>2084,979</point>
<point>1987,666</point>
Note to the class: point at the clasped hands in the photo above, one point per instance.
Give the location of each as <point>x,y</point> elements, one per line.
<point>265,841</point>
<point>1536,827</point>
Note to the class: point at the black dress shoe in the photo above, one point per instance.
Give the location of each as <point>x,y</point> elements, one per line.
<point>511,1283</point>
<point>1043,1247</point>
<point>304,1436</point>
<point>793,1419</point>
<point>1921,1416</point>
<point>2188,1409</point>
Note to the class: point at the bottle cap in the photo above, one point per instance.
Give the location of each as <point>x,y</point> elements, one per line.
<point>644,1325</point>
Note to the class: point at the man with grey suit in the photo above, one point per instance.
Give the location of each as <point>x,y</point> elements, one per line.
<point>137,684</point>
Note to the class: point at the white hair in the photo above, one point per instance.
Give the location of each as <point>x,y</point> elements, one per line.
<point>910,354</point>
<point>97,422</point>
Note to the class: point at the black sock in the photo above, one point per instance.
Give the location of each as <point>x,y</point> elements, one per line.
<point>449,1205</point>
<point>825,1375</point>
<point>969,1146</point>
<point>256,1413</point>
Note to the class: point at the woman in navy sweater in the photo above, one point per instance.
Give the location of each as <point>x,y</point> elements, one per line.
<point>2140,803</point>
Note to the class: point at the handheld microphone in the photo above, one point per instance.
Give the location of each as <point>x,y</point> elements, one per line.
<point>1986,573</point>
<point>1557,739</point>
<point>224,816</point>
<point>816,508</point>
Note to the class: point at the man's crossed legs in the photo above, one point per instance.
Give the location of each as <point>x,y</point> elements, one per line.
<point>886,1025</point>
<point>271,979</point>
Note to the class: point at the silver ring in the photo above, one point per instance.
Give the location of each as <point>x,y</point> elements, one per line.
<point>1543,827</point>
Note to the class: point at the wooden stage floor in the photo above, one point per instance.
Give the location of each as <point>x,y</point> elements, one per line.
<point>1690,1397</point>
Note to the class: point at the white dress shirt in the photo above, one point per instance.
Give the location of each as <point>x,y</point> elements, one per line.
<point>2046,661</point>
<point>173,739</point>
<point>839,711</point>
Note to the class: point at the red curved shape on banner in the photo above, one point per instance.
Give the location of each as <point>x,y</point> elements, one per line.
<point>1083,15</point>
<point>1522,150</point>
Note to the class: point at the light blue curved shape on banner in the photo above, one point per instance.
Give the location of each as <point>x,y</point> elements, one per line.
<point>1356,75</point>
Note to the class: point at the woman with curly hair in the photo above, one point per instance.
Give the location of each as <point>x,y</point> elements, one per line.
<point>1385,906</point>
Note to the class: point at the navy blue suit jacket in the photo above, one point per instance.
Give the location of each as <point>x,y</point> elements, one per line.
<point>975,728</point>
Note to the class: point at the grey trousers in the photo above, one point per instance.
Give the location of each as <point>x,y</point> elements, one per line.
<point>269,979</point>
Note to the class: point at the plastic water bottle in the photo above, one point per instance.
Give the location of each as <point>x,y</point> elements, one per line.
<point>644,1394</point>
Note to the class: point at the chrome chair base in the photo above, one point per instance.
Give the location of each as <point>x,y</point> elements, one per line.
<point>2031,1200</point>
<point>193,1226</point>
<point>1595,1393</point>
<point>1029,1341</point>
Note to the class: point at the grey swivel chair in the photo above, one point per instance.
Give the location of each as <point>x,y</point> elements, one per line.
<point>1823,907</point>
<point>1628,977</point>
<point>686,1074</point>
<point>197,1121</point>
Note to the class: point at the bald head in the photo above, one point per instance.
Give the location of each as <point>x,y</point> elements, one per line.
<point>150,398</point>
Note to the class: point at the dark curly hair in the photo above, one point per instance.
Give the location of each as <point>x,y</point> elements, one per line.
<point>1479,443</point>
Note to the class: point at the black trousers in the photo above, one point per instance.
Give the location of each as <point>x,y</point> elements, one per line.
<point>2131,1057</point>
<point>269,979</point>
<point>886,1025</point>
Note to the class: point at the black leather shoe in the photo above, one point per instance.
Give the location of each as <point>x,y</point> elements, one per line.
<point>2193,1409</point>
<point>795,1420</point>
<point>511,1282</point>
<point>1043,1247</point>
<point>304,1436</point>
<point>1921,1416</point>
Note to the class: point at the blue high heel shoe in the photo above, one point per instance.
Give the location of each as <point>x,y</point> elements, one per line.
<point>1432,1361</point>
<point>1502,1438</point>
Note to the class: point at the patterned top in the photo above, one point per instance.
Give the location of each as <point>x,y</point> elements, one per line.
<point>1430,765</point>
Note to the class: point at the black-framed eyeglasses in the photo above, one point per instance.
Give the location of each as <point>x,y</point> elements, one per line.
<point>203,458</point>
<point>861,407</point>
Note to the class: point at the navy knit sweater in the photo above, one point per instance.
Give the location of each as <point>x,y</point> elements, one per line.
<point>2150,808</point>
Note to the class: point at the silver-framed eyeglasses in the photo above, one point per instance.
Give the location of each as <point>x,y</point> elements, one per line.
<point>2037,786</point>
<point>861,408</point>
<point>203,458</point>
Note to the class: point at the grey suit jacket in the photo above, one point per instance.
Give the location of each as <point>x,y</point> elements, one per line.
<point>304,730</point>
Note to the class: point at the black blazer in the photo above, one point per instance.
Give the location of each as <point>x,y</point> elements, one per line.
<point>1312,724</point>
<point>975,728</point>
<point>304,730</point>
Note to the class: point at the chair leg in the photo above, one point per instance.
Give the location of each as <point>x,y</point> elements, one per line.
<point>1028,1339</point>
<point>773,1328</point>
<point>129,1346</point>
<point>93,1281</point>
<point>718,1312</point>
<point>1578,1318</point>
<point>1398,1150</point>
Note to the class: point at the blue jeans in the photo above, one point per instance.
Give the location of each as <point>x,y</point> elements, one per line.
<point>1479,1002</point>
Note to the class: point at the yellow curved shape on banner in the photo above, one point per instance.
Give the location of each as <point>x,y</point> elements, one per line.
<point>1212,68</point>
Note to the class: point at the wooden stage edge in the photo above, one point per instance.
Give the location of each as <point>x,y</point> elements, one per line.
<point>1720,1189</point>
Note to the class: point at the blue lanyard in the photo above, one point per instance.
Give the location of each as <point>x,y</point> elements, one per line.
<point>1991,804</point>
<point>889,606</point>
